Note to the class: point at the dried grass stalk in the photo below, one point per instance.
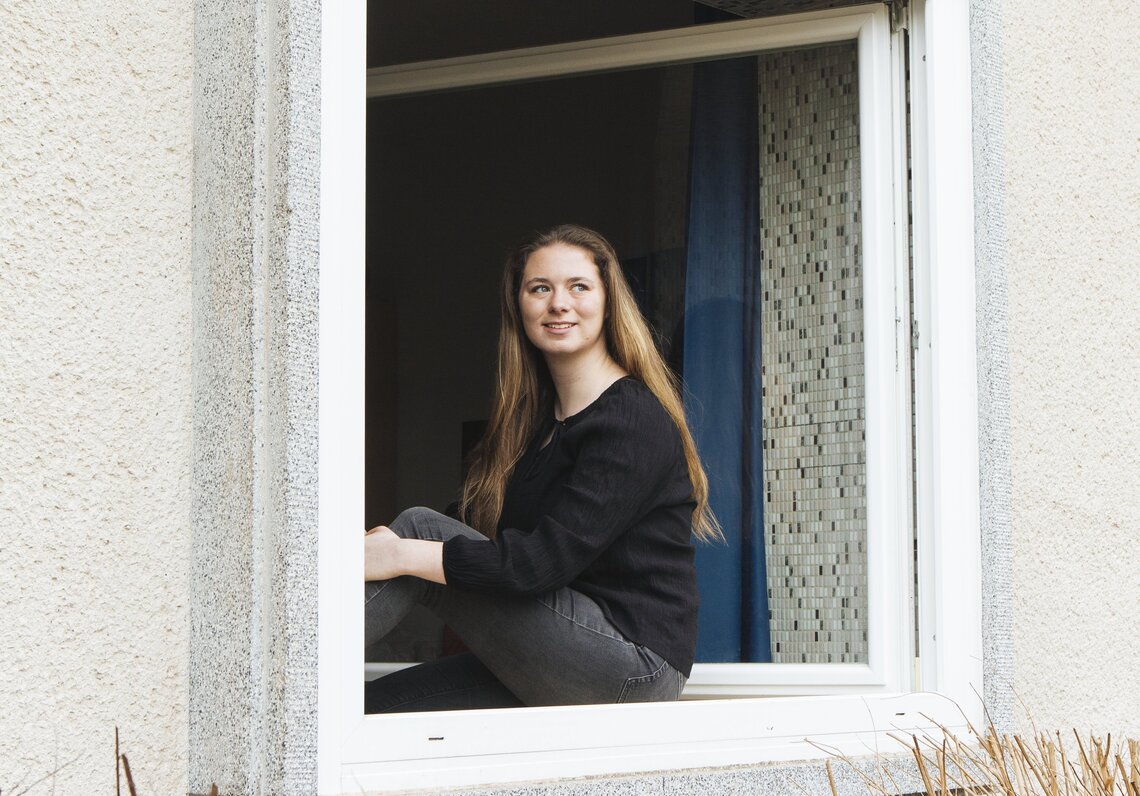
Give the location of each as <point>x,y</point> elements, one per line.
<point>1003,765</point>
<point>127,774</point>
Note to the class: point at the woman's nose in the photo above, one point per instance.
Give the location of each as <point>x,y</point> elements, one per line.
<point>559,301</point>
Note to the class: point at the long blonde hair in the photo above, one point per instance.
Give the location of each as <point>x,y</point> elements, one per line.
<point>525,393</point>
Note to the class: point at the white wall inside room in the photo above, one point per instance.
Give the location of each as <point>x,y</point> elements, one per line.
<point>1072,75</point>
<point>95,401</point>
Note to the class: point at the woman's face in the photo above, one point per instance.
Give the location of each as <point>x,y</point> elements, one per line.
<point>562,302</point>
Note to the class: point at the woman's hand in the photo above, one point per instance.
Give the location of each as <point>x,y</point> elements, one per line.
<point>381,554</point>
<point>386,556</point>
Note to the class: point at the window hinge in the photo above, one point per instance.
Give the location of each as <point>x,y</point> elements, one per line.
<point>900,16</point>
<point>914,334</point>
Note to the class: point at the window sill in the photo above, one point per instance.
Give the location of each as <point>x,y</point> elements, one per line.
<point>394,753</point>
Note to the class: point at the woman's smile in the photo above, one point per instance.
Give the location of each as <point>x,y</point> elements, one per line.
<point>562,302</point>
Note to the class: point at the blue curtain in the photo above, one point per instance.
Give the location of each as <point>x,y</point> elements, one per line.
<point>721,356</point>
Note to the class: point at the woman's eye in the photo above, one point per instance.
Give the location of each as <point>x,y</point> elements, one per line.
<point>579,288</point>
<point>539,289</point>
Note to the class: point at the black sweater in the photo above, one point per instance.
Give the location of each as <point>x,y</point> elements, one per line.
<point>605,508</point>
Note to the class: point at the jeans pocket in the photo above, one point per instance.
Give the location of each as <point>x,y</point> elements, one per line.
<point>663,685</point>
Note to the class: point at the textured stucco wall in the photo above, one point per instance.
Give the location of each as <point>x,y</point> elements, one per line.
<point>95,161</point>
<point>1072,78</point>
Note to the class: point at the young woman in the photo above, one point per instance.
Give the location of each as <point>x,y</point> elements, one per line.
<point>572,580</point>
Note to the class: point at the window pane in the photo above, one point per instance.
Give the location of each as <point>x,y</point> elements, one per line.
<point>772,354</point>
<point>651,160</point>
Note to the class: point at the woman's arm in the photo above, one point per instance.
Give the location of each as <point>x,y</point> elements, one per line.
<point>386,556</point>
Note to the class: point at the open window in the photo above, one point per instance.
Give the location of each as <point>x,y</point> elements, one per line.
<point>753,175</point>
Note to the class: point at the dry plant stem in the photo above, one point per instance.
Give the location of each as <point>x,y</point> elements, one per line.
<point>127,772</point>
<point>894,785</point>
<point>1064,766</point>
<point>1002,762</point>
<point>1134,755</point>
<point>921,762</point>
<point>1009,765</point>
<point>1086,768</point>
<point>871,785</point>
<point>1131,785</point>
<point>1026,759</point>
<point>942,768</point>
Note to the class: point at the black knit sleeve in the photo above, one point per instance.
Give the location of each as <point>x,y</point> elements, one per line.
<point>624,451</point>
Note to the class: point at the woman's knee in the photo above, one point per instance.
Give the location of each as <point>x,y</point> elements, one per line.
<point>424,523</point>
<point>412,523</point>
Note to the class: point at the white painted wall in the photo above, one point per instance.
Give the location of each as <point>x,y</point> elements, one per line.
<point>95,162</point>
<point>1072,76</point>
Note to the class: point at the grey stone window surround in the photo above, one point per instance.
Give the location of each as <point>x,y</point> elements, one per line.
<point>253,659</point>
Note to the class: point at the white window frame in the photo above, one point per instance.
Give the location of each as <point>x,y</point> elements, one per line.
<point>852,705</point>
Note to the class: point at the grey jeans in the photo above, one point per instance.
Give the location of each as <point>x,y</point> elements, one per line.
<point>556,648</point>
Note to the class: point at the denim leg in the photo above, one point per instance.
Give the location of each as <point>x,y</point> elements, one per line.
<point>554,649</point>
<point>558,649</point>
